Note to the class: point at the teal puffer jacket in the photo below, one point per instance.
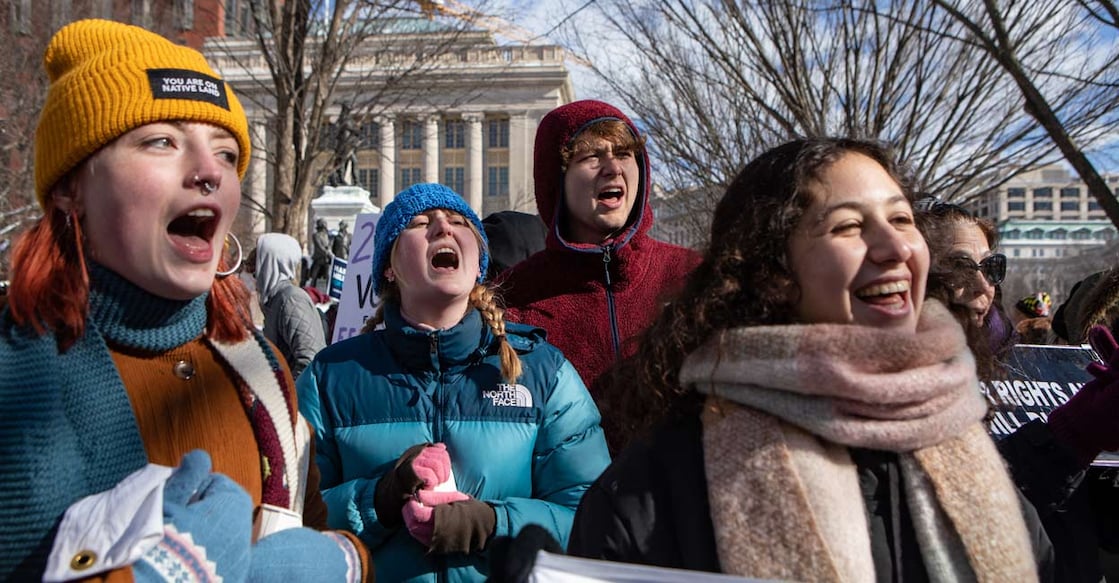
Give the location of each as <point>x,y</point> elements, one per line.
<point>530,450</point>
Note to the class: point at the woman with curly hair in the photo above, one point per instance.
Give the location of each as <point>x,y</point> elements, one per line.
<point>801,412</point>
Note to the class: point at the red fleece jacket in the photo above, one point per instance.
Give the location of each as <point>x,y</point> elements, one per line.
<point>564,288</point>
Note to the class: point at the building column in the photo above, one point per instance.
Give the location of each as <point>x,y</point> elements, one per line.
<point>475,160</point>
<point>386,183</point>
<point>431,149</point>
<point>255,187</point>
<point>522,134</point>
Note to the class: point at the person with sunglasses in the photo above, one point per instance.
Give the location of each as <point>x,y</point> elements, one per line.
<point>965,260</point>
<point>1048,459</point>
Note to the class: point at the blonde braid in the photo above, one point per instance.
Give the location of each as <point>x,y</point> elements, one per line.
<point>482,298</point>
<point>389,293</point>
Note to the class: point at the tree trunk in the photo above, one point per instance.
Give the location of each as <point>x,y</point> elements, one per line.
<point>1002,50</point>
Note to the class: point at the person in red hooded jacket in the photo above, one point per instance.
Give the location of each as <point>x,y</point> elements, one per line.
<point>600,279</point>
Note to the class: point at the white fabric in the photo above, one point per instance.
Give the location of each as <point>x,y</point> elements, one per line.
<point>549,568</point>
<point>303,445</point>
<point>118,526</point>
<point>272,519</point>
<point>251,364</point>
<point>278,257</point>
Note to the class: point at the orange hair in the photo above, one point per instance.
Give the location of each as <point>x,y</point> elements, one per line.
<point>49,291</point>
<point>612,130</point>
<point>50,285</point>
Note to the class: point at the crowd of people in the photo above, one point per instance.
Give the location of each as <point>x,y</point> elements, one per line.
<point>800,401</point>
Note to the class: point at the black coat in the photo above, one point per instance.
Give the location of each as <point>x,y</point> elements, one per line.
<point>1079,508</point>
<point>650,507</point>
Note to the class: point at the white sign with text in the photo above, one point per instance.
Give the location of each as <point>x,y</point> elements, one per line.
<point>358,300</point>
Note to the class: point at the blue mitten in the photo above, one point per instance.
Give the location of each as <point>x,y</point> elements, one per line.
<point>302,554</point>
<point>207,527</point>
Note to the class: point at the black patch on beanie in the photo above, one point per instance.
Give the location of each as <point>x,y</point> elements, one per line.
<point>187,84</point>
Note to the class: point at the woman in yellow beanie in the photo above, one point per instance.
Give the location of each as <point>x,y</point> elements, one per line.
<point>150,431</point>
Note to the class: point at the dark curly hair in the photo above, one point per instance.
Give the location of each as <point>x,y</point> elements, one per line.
<point>743,280</point>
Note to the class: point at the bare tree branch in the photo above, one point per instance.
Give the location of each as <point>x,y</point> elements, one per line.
<point>360,55</point>
<point>1005,51</point>
<point>715,82</point>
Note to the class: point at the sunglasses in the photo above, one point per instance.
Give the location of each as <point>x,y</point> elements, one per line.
<point>935,206</point>
<point>993,267</point>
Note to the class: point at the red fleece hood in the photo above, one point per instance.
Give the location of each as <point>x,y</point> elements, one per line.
<point>558,129</point>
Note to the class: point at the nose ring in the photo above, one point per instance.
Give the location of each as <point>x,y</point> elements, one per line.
<point>207,186</point>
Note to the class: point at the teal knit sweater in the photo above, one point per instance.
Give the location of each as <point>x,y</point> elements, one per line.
<point>68,429</point>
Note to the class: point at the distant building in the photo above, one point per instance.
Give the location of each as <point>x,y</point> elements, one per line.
<point>1052,239</point>
<point>1051,229</point>
<point>1047,213</point>
<point>683,217</point>
<point>467,120</point>
<point>1048,193</point>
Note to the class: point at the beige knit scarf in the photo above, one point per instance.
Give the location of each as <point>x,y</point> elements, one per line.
<point>784,494</point>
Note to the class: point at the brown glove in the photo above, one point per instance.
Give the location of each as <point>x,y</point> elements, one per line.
<point>462,527</point>
<point>423,465</point>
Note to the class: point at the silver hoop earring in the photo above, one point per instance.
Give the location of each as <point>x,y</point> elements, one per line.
<point>237,264</point>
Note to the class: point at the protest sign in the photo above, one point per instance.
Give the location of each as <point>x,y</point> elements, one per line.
<point>337,278</point>
<point>357,300</point>
<point>1037,380</point>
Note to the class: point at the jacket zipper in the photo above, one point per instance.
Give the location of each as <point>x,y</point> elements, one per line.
<point>437,430</point>
<point>437,423</point>
<point>614,335</point>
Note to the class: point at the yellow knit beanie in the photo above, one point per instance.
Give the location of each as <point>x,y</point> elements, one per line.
<point>108,78</point>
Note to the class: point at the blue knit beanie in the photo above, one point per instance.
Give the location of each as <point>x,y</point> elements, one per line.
<point>416,199</point>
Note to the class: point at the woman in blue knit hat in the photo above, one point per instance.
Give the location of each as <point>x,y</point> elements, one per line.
<point>448,427</point>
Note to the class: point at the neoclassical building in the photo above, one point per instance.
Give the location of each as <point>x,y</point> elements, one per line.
<point>466,118</point>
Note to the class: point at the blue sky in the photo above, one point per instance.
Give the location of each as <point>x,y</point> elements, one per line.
<point>544,16</point>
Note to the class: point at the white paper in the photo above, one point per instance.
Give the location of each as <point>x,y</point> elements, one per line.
<point>550,568</point>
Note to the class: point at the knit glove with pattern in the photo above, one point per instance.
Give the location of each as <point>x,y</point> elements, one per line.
<point>207,532</point>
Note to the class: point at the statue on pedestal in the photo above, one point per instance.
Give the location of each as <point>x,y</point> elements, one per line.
<point>340,244</point>
<point>345,139</point>
<point>320,255</point>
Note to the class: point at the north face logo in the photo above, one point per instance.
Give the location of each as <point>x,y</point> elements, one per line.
<point>506,395</point>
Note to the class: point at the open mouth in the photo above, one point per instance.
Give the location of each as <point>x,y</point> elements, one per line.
<point>612,194</point>
<point>198,225</point>
<point>445,258</point>
<point>884,294</point>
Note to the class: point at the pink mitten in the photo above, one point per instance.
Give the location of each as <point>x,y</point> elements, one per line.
<point>419,513</point>
<point>432,465</point>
